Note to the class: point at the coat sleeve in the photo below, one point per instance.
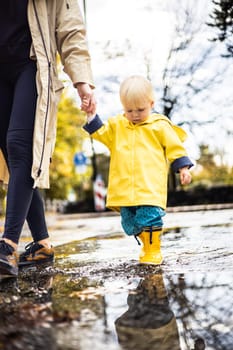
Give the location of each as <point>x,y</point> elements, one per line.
<point>102,132</point>
<point>174,149</point>
<point>72,43</point>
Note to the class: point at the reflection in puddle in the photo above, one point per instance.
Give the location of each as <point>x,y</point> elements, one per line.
<point>178,312</point>
<point>203,305</point>
<point>149,322</point>
<point>98,297</point>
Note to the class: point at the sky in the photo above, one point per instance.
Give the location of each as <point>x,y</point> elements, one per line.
<point>136,25</point>
<point>148,26</point>
<point>114,22</point>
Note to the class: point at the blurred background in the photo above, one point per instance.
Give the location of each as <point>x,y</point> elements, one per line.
<point>185,47</point>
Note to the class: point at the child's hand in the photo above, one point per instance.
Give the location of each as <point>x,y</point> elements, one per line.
<point>88,102</point>
<point>185,176</point>
<point>90,111</point>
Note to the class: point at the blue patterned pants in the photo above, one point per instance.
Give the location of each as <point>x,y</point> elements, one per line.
<point>134,219</point>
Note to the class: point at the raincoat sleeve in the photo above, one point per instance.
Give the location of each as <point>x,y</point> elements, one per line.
<point>102,132</point>
<point>71,42</point>
<point>172,138</point>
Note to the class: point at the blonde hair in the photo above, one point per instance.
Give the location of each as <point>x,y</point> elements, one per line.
<point>135,91</point>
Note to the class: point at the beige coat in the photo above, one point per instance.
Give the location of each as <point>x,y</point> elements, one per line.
<point>56,26</point>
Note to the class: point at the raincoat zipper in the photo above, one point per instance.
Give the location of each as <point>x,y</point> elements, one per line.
<point>49,84</point>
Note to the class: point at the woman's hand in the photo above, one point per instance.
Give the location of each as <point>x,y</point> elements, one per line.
<point>86,94</point>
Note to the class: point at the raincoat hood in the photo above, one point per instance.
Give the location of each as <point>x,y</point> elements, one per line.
<point>155,117</point>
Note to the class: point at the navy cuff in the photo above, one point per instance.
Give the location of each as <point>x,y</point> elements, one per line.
<point>94,125</point>
<point>181,163</point>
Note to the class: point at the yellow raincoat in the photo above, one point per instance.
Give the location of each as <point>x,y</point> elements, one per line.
<point>56,27</point>
<point>140,155</point>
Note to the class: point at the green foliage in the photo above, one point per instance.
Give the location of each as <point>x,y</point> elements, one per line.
<point>209,173</point>
<point>70,137</point>
<point>2,200</point>
<point>2,193</point>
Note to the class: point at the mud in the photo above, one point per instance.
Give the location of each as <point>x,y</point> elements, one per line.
<point>97,296</point>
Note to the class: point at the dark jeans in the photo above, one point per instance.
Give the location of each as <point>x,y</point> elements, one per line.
<point>18,96</point>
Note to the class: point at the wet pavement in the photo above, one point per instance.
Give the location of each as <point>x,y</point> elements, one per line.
<point>97,295</point>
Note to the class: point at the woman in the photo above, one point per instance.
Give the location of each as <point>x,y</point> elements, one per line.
<point>32,32</point>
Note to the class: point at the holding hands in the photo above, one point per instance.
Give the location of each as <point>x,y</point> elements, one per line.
<point>88,101</point>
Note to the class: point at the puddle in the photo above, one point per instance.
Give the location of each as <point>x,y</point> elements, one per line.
<point>97,296</point>
<point>155,311</point>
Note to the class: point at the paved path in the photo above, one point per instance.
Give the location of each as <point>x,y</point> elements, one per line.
<point>199,240</point>
<point>75,304</point>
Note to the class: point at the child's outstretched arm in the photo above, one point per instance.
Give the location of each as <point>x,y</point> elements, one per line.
<point>185,176</point>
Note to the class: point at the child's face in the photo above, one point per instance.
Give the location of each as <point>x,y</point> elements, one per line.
<point>139,114</point>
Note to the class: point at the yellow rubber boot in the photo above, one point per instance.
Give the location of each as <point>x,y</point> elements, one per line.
<point>150,252</point>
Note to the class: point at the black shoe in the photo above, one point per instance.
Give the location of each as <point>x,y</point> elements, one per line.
<point>35,253</point>
<point>8,260</point>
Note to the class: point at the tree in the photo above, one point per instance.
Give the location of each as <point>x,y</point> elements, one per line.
<point>189,73</point>
<point>192,85</point>
<point>70,137</point>
<point>210,169</point>
<point>222,20</point>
